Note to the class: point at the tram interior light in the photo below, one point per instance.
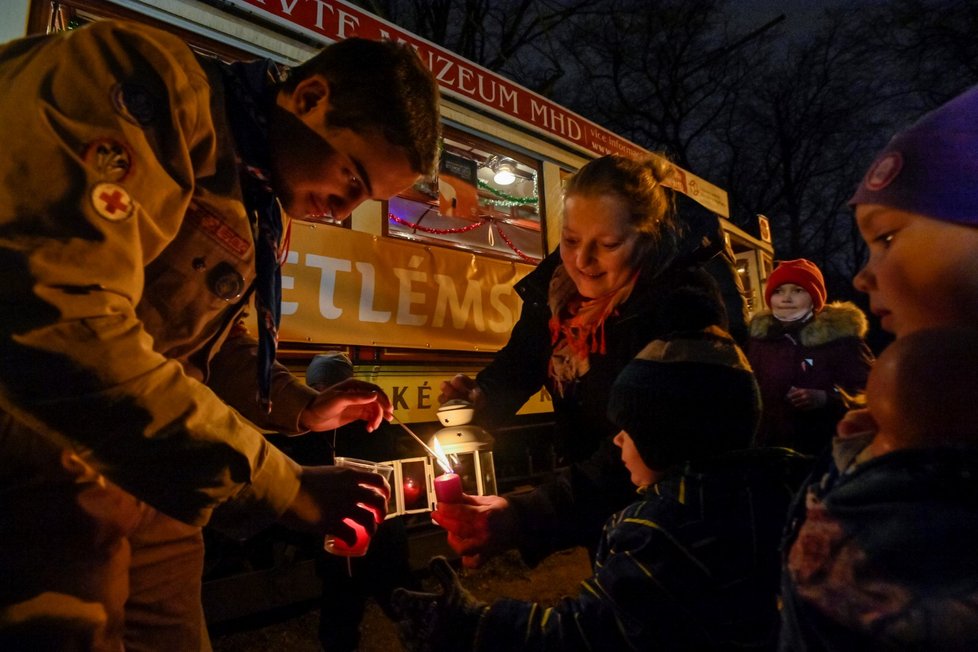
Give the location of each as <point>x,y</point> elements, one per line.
<point>505,172</point>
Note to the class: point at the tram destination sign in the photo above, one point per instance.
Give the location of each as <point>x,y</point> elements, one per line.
<point>334,20</point>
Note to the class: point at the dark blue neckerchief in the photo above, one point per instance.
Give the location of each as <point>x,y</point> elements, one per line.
<point>250,89</point>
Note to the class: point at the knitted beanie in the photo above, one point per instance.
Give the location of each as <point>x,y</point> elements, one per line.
<point>691,396</point>
<point>930,168</point>
<point>800,272</point>
<point>327,369</point>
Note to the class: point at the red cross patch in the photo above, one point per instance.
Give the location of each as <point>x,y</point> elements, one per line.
<point>112,202</point>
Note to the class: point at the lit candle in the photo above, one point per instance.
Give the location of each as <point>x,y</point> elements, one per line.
<point>448,488</point>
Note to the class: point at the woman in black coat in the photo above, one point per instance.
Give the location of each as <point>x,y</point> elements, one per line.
<point>617,282</point>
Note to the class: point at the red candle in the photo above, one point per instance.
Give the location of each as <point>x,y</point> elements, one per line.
<point>448,488</point>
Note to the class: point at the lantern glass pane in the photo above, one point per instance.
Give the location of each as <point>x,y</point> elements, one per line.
<point>414,485</point>
<point>466,469</point>
<point>488,473</point>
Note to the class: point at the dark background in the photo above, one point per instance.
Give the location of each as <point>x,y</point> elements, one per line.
<point>783,103</point>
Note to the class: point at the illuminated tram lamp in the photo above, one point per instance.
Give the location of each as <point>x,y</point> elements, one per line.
<point>504,172</point>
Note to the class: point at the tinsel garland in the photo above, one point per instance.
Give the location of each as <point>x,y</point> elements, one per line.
<point>428,229</point>
<point>523,256</point>
<point>507,199</point>
<point>463,229</point>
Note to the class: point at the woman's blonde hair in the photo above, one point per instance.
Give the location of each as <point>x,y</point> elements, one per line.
<point>651,205</point>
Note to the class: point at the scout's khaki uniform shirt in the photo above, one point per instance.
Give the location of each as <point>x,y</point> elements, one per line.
<point>126,256</point>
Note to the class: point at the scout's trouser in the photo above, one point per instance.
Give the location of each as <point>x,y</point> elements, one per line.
<point>84,565</point>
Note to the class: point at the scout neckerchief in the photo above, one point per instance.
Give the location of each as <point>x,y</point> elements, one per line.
<point>250,87</point>
<point>577,326</point>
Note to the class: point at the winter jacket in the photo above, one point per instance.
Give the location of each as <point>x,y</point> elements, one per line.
<point>692,565</point>
<point>704,242</point>
<point>882,555</point>
<point>570,509</point>
<point>127,258</point>
<point>678,299</point>
<point>827,352</point>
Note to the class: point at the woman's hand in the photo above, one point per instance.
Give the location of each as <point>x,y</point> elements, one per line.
<point>479,527</point>
<point>464,388</point>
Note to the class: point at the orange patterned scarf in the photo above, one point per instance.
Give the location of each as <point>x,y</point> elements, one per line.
<point>577,326</point>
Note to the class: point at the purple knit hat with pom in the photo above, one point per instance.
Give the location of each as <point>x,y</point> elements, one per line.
<point>931,167</point>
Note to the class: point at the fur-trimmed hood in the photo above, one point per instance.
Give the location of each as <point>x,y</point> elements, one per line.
<point>836,320</point>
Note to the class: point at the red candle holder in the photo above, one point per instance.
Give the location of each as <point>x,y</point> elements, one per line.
<point>337,546</point>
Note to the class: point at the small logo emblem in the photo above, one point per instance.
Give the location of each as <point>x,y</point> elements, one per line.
<point>225,281</point>
<point>135,103</point>
<point>884,171</point>
<point>112,202</point>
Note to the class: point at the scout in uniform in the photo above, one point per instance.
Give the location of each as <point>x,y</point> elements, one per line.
<point>144,193</point>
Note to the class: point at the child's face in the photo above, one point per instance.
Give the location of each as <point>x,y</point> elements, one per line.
<point>790,302</point>
<point>642,476</point>
<point>921,272</point>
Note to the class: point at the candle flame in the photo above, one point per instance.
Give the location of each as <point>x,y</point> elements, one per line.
<point>440,457</point>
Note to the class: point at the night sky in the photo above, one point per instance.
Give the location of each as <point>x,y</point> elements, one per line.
<point>799,14</point>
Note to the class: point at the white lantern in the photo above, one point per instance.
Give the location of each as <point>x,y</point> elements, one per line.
<point>466,448</point>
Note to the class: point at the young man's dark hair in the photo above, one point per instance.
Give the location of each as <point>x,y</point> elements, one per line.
<point>359,71</point>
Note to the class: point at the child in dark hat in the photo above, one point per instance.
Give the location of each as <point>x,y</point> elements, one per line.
<point>804,351</point>
<point>903,521</point>
<point>917,210</point>
<point>693,563</point>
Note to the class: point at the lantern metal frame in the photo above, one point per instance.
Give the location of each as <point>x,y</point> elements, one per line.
<point>459,442</point>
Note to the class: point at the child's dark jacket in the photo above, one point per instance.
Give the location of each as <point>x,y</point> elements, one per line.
<point>693,564</point>
<point>884,554</point>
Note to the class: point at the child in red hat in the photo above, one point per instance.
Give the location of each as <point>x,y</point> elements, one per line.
<point>804,352</point>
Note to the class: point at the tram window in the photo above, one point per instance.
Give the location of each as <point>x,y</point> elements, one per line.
<point>744,271</point>
<point>483,200</point>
